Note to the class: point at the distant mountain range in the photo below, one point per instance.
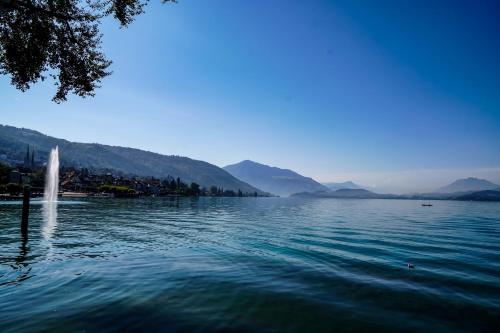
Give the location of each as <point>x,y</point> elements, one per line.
<point>282,182</point>
<point>14,142</point>
<point>343,193</point>
<point>344,185</point>
<point>468,185</point>
<point>247,176</point>
<point>485,195</point>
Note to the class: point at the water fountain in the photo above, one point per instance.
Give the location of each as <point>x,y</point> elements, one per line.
<point>52,177</point>
<point>50,194</point>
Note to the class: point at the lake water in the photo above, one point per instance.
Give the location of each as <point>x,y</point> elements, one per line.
<point>251,265</point>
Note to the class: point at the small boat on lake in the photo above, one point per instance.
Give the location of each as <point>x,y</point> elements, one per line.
<point>426,205</point>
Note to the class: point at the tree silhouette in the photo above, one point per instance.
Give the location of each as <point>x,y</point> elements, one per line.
<point>59,39</point>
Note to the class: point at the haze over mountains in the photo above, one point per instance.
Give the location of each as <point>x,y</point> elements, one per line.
<point>344,193</point>
<point>282,182</point>
<point>469,189</point>
<point>247,176</point>
<point>343,185</point>
<point>14,142</point>
<point>468,185</point>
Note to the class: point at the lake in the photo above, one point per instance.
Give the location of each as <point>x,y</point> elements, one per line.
<point>251,265</point>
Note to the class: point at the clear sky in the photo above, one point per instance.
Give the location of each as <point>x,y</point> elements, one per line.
<point>396,94</point>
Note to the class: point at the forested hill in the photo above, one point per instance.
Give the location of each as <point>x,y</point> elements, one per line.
<point>14,142</point>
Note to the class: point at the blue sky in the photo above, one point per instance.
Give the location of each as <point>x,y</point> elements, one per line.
<point>403,95</point>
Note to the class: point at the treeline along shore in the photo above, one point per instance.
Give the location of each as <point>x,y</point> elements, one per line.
<point>104,183</point>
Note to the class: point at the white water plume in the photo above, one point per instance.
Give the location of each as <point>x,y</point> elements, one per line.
<point>50,194</point>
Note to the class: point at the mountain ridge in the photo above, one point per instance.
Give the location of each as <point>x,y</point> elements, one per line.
<point>343,185</point>
<point>345,193</point>
<point>14,142</point>
<point>470,184</point>
<point>283,182</point>
<point>485,195</point>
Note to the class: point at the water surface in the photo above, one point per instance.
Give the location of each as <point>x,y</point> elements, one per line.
<point>251,265</point>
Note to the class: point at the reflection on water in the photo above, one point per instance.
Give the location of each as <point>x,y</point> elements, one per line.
<point>250,265</point>
<point>23,251</point>
<point>49,209</point>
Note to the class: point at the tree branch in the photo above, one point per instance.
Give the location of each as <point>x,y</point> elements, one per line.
<point>10,5</point>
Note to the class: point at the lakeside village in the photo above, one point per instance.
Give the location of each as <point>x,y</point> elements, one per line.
<point>83,182</point>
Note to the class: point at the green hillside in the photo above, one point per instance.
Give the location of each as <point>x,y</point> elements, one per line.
<point>14,142</point>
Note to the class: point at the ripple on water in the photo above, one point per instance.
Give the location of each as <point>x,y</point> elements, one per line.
<point>252,264</point>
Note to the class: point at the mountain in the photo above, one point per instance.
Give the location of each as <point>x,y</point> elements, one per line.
<point>274,180</point>
<point>344,185</point>
<point>345,193</point>
<point>487,195</point>
<point>468,185</point>
<point>14,142</point>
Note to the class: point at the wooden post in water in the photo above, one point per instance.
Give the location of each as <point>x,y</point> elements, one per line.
<point>26,210</point>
